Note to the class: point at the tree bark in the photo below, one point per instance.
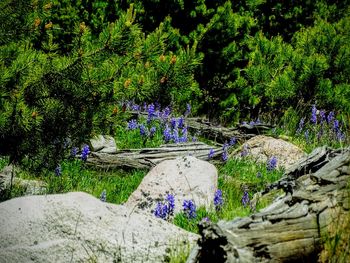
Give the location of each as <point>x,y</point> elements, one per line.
<point>291,228</point>
<point>148,157</point>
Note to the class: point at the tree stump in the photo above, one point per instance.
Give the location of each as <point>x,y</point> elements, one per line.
<point>291,228</point>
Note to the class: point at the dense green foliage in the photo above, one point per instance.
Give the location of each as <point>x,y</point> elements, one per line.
<point>69,66</point>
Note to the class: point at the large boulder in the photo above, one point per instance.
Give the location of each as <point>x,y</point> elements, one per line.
<point>104,144</point>
<point>76,227</point>
<point>185,177</point>
<point>29,187</point>
<point>261,148</point>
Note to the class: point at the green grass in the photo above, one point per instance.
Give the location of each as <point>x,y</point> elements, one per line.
<point>3,162</point>
<point>118,184</point>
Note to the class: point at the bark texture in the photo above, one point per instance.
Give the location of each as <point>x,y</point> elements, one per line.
<point>148,157</point>
<point>292,227</point>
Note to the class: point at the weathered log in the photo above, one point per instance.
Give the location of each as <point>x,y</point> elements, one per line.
<point>241,132</point>
<point>149,157</point>
<point>290,229</point>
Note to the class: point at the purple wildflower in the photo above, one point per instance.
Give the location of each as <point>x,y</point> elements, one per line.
<point>143,130</point>
<point>224,156</point>
<point>340,136</point>
<point>211,153</point>
<point>218,200</point>
<point>58,170</point>
<point>132,125</point>
<point>152,131</point>
<point>85,152</point>
<point>151,112</point>
<point>330,117</point>
<point>184,135</point>
<point>336,125</point>
<point>136,107</point>
<point>161,211</point>
<point>313,114</point>
<point>175,136</point>
<point>272,164</point>
<point>322,116</point>
<point>74,151</point>
<point>189,208</point>
<point>245,198</point>
<point>233,141</point>
<point>103,196</point>
<point>171,204</point>
<point>167,134</point>
<point>301,125</point>
<point>181,122</point>
<point>173,123</point>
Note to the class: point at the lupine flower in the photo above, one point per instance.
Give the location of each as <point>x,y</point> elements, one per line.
<point>184,135</point>
<point>233,141</point>
<point>251,123</point>
<point>85,152</point>
<point>322,116</point>
<point>161,211</point>
<point>175,136</point>
<point>166,112</point>
<point>218,200</point>
<point>74,151</point>
<point>144,106</point>
<point>340,136</point>
<point>189,208</point>
<point>167,134</point>
<point>258,175</point>
<point>132,125</point>
<point>313,114</point>
<point>151,112</point>
<point>152,131</point>
<point>136,107</point>
<point>272,163</point>
<point>103,196</point>
<point>171,204</point>
<point>188,109</point>
<point>211,153</point>
<point>206,219</point>
<point>245,198</point>
<point>336,125</point>
<point>58,170</point>
<point>173,123</point>
<point>301,125</point>
<point>330,117</point>
<point>224,156</point>
<point>143,130</point>
<point>244,151</point>
<point>181,122</point>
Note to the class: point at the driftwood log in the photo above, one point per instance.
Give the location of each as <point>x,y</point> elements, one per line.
<point>149,157</point>
<point>291,228</point>
<point>222,134</point>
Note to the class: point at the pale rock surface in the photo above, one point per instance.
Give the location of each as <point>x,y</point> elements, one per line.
<point>261,148</point>
<point>185,177</point>
<point>30,187</point>
<point>76,227</point>
<point>104,144</point>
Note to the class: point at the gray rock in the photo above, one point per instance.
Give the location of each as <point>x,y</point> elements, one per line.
<point>185,177</point>
<point>30,187</point>
<point>76,227</point>
<point>261,148</point>
<point>103,143</point>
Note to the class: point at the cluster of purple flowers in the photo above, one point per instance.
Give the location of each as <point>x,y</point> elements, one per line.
<point>74,152</point>
<point>189,209</point>
<point>85,152</point>
<point>271,164</point>
<point>165,209</point>
<point>132,125</point>
<point>58,170</point>
<point>225,152</point>
<point>244,151</point>
<point>245,198</point>
<point>326,124</point>
<point>218,200</point>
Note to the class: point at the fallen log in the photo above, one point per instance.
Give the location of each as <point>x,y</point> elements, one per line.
<point>290,229</point>
<point>148,157</point>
